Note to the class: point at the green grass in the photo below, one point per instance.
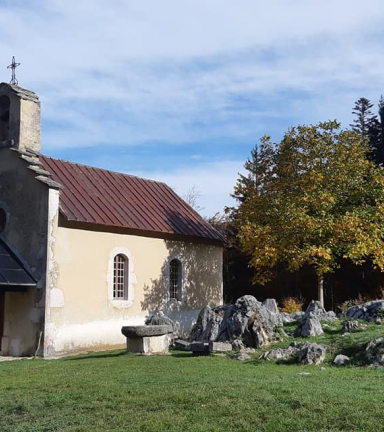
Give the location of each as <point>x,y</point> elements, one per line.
<point>115,391</point>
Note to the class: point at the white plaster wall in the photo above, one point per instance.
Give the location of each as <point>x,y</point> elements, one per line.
<point>81,313</point>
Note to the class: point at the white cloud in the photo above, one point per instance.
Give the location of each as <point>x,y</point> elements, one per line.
<point>131,72</point>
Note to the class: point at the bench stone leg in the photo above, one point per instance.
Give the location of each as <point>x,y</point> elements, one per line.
<point>149,344</point>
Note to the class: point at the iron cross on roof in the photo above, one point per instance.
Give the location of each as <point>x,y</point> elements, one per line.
<point>13,66</point>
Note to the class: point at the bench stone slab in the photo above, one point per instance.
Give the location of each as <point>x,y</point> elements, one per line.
<point>146,330</point>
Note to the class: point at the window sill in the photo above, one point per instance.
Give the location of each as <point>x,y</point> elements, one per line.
<point>121,304</point>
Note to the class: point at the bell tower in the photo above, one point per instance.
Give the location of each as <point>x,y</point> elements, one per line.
<point>19,117</point>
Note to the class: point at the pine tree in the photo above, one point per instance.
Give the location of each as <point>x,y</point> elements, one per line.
<point>380,138</point>
<point>369,126</point>
<point>365,117</point>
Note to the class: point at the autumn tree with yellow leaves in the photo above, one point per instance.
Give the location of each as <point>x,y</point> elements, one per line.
<point>312,199</point>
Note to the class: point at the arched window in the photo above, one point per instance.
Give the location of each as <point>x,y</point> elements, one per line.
<point>175,279</point>
<point>120,277</point>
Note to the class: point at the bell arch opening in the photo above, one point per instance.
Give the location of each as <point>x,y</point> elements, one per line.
<point>4,117</point>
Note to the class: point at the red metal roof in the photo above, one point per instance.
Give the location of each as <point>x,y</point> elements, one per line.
<point>101,197</point>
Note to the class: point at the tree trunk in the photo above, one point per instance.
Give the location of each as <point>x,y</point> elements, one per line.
<point>320,288</point>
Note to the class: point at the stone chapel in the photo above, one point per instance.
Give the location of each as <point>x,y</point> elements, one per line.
<point>85,251</point>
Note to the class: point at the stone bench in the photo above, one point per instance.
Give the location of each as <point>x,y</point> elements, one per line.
<point>147,339</point>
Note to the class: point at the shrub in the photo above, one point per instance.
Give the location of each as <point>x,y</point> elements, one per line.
<point>291,304</point>
<point>379,313</point>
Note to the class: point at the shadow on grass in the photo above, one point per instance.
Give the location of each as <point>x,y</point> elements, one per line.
<point>97,355</point>
<point>180,354</point>
<point>120,353</point>
<point>331,331</point>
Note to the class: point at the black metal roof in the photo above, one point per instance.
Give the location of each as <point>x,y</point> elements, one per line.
<point>12,271</point>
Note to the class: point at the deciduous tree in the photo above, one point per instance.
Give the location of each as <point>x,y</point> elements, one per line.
<point>310,200</point>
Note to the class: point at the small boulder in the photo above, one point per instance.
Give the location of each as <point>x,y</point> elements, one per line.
<point>287,318</point>
<point>374,352</point>
<point>311,353</point>
<point>237,345</point>
<point>158,318</point>
<point>280,354</point>
<point>241,357</point>
<point>309,327</point>
<point>341,360</point>
<point>350,326</point>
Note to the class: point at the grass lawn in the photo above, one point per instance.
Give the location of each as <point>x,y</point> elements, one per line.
<point>115,391</point>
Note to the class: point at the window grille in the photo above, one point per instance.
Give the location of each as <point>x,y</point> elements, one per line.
<point>174,279</point>
<point>120,277</point>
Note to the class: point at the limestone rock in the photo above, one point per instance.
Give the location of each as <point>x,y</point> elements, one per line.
<point>292,318</point>
<point>310,353</point>
<point>371,311</point>
<point>247,320</point>
<point>207,325</point>
<point>350,326</point>
<point>237,316</point>
<point>271,305</point>
<point>287,318</point>
<point>374,352</point>
<point>280,354</point>
<point>316,309</point>
<point>341,360</point>
<point>158,318</point>
<point>248,350</point>
<point>309,327</point>
<point>237,345</point>
<point>304,352</point>
<point>241,357</point>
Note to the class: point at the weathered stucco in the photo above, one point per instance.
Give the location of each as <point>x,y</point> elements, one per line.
<point>25,201</point>
<point>81,314</point>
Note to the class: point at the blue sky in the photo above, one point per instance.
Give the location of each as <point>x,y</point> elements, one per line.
<point>181,90</point>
